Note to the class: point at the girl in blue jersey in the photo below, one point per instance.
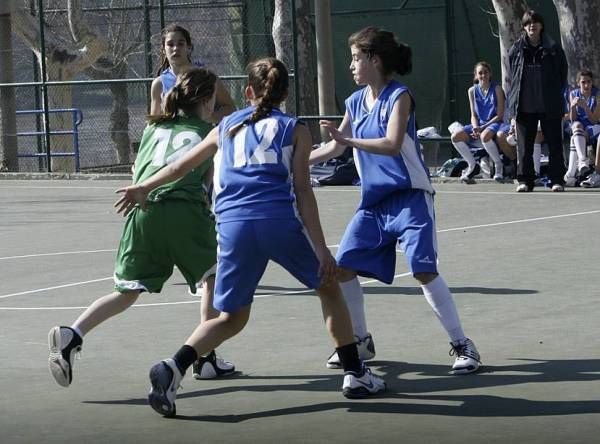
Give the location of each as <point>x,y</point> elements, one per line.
<point>176,57</point>
<point>486,101</point>
<point>396,194</point>
<point>584,114</point>
<point>266,210</point>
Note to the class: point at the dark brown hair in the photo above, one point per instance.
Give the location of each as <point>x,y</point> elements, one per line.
<point>585,73</point>
<point>395,57</point>
<point>269,79</point>
<point>531,16</point>
<point>164,62</point>
<point>486,65</point>
<point>193,87</point>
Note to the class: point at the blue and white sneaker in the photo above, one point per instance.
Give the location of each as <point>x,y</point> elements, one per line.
<point>357,386</point>
<point>212,366</point>
<point>164,379</point>
<point>366,352</point>
<point>467,357</point>
<point>64,344</point>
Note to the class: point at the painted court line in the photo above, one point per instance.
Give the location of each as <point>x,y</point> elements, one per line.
<point>534,219</point>
<point>58,253</point>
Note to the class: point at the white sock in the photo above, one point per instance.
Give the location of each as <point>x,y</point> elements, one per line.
<point>573,162</point>
<point>76,330</point>
<point>355,301</point>
<point>537,157</point>
<point>492,149</point>
<point>439,297</point>
<point>465,152</point>
<point>581,147</point>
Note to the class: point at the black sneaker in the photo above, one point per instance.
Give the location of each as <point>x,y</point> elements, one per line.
<point>64,343</point>
<point>211,366</point>
<point>165,378</point>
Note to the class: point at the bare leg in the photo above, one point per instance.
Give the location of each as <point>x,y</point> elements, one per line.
<point>211,333</point>
<point>335,314</point>
<point>105,308</point>
<point>207,311</point>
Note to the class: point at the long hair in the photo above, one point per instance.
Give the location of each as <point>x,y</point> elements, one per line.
<point>193,87</point>
<point>269,79</point>
<point>395,56</point>
<point>164,62</point>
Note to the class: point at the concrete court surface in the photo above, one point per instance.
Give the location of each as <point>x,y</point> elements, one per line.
<point>523,269</point>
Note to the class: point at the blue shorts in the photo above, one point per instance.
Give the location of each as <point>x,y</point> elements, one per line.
<point>369,243</point>
<point>245,248</point>
<point>504,127</point>
<point>593,132</point>
<point>494,127</point>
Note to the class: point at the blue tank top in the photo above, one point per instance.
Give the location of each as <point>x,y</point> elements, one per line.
<point>591,102</point>
<point>486,106</point>
<point>382,175</point>
<point>253,169</point>
<point>168,79</point>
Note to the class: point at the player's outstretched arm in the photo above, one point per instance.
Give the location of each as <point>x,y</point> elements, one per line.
<point>136,194</point>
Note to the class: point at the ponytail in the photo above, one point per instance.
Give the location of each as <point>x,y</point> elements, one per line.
<point>269,79</point>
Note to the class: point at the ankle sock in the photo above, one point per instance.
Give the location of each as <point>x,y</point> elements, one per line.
<point>348,355</point>
<point>185,357</point>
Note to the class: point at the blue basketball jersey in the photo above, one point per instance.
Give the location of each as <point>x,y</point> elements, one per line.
<point>591,102</point>
<point>382,175</point>
<point>486,105</point>
<point>168,79</point>
<point>253,168</point>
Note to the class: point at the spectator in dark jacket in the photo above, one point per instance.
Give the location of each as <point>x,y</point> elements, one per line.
<point>538,77</point>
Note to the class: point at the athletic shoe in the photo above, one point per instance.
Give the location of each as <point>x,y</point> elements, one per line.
<point>211,367</point>
<point>593,181</point>
<point>558,188</point>
<point>469,174</point>
<point>164,379</point>
<point>584,171</point>
<point>362,385</point>
<point>366,351</point>
<point>64,344</point>
<point>499,178</point>
<point>524,188</point>
<point>467,357</point>
<point>570,181</point>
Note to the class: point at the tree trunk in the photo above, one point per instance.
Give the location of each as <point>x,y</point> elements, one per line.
<point>579,33</point>
<point>8,123</point>
<point>119,122</point>
<point>509,13</point>
<point>63,62</point>
<point>305,71</point>
<point>282,37</point>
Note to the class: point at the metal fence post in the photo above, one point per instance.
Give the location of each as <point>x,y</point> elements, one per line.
<point>44,75</point>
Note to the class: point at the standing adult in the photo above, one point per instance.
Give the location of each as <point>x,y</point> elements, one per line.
<point>538,78</point>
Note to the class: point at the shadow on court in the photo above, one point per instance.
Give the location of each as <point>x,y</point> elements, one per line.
<point>400,393</point>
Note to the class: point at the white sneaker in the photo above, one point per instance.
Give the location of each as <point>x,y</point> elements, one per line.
<point>570,181</point>
<point>593,181</point>
<point>164,379</point>
<point>212,366</point>
<point>64,344</point>
<point>467,357</point>
<point>358,386</point>
<point>366,352</point>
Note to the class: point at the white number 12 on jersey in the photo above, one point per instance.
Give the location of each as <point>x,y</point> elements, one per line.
<point>268,127</point>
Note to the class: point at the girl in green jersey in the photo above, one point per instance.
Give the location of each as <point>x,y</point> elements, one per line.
<point>178,230</point>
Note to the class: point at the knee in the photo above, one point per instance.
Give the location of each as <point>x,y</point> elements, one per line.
<point>235,322</point>
<point>425,278</point>
<point>127,298</point>
<point>345,275</point>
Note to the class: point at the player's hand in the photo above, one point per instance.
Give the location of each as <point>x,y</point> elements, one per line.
<point>476,132</point>
<point>328,269</point>
<point>334,132</point>
<point>132,196</point>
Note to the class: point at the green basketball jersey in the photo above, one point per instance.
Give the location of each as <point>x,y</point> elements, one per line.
<point>163,144</point>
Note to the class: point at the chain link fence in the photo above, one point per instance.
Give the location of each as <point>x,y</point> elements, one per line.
<point>112,91</point>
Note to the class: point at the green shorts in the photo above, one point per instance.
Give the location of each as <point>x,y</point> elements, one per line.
<point>168,233</point>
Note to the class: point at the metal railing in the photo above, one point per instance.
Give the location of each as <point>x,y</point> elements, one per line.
<point>77,118</point>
